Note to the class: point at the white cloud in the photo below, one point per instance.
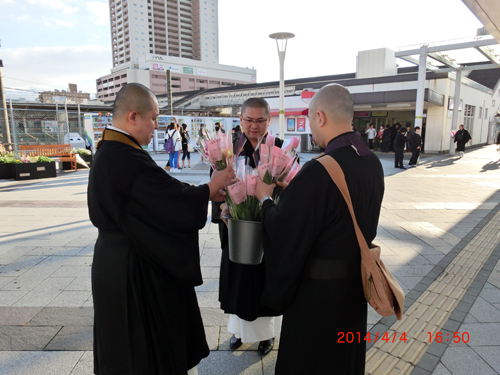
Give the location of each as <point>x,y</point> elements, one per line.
<point>47,23</point>
<point>64,23</point>
<point>100,12</point>
<point>56,66</point>
<point>96,36</point>
<point>24,17</point>
<point>69,10</point>
<point>55,4</point>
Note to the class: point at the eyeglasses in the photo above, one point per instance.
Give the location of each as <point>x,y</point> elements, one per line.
<point>256,122</point>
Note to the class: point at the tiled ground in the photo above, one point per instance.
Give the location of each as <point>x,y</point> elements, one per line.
<point>46,245</point>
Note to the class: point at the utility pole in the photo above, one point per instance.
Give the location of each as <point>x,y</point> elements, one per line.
<point>4,106</point>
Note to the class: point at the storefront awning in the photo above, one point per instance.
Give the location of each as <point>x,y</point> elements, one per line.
<point>291,112</point>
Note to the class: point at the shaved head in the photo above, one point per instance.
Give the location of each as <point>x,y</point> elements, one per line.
<point>133,97</point>
<point>335,101</point>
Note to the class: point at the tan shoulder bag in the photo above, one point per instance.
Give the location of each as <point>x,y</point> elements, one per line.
<point>382,291</point>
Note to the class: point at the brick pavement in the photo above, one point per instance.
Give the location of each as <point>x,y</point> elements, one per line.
<point>438,229</point>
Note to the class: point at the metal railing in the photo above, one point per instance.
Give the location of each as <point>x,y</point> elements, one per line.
<point>38,126</point>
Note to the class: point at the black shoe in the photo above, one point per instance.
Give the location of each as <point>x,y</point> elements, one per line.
<point>402,167</point>
<point>234,343</point>
<point>266,346</point>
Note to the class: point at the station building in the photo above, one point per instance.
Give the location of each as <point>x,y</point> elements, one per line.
<point>383,94</point>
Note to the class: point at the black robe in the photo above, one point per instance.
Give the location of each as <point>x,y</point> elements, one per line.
<point>464,138</point>
<point>308,233</point>
<point>146,265</point>
<point>241,286</point>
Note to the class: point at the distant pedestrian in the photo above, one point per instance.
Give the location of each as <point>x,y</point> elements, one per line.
<point>202,136</point>
<point>415,147</point>
<point>380,134</point>
<point>185,146</point>
<point>399,147</point>
<point>372,133</point>
<point>386,139</point>
<point>236,133</point>
<point>498,142</point>
<point>173,135</point>
<point>408,135</point>
<point>462,137</point>
<point>394,132</point>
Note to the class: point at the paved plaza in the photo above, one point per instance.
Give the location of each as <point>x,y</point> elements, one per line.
<point>439,231</point>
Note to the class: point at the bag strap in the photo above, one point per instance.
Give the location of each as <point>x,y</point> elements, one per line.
<point>335,171</point>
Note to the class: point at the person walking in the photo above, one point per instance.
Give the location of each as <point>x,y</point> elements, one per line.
<point>399,148</point>
<point>173,134</point>
<point>202,136</point>
<point>408,136</point>
<point>461,138</point>
<point>146,261</point>
<point>386,139</point>
<point>394,132</point>
<point>380,135</point>
<point>185,146</point>
<point>371,132</point>
<point>312,254</point>
<point>498,142</point>
<point>415,147</point>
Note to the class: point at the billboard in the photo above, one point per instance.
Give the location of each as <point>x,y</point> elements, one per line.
<point>201,72</point>
<point>186,70</point>
<point>157,66</point>
<point>174,68</point>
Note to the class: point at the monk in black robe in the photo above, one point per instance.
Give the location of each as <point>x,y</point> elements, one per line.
<point>146,258</point>
<point>241,286</point>
<point>312,256</point>
<point>461,138</point>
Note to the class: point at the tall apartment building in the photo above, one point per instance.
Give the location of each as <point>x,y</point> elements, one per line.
<point>178,28</point>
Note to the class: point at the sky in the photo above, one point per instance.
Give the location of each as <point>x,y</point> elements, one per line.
<point>46,44</point>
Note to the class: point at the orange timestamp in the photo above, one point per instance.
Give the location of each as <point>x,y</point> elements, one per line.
<point>456,338</point>
<point>351,337</point>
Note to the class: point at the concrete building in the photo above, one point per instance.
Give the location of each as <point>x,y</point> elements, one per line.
<point>179,28</point>
<point>186,75</point>
<point>70,96</point>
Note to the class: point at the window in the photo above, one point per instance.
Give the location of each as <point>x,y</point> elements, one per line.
<point>486,113</point>
<point>480,112</point>
<point>469,118</point>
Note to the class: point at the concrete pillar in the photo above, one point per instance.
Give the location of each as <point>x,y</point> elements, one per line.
<point>456,106</point>
<point>422,67</point>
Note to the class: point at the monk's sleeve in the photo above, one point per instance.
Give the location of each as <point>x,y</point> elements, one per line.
<point>162,217</point>
<point>290,230</point>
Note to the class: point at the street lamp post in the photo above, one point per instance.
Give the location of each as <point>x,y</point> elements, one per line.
<point>281,42</point>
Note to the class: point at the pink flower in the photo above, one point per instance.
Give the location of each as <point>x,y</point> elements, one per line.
<point>295,142</point>
<point>291,144</point>
<point>269,140</point>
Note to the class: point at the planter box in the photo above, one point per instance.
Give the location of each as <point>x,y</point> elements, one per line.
<point>30,171</point>
<point>6,171</point>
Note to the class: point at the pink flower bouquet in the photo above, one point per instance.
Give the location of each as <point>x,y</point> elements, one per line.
<point>220,151</point>
<point>276,164</point>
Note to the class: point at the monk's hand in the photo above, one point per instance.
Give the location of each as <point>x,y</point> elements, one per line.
<point>220,180</point>
<point>263,189</point>
<point>224,213</point>
<point>282,184</point>
<point>219,196</point>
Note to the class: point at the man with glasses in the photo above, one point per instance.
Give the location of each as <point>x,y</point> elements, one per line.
<point>241,286</point>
